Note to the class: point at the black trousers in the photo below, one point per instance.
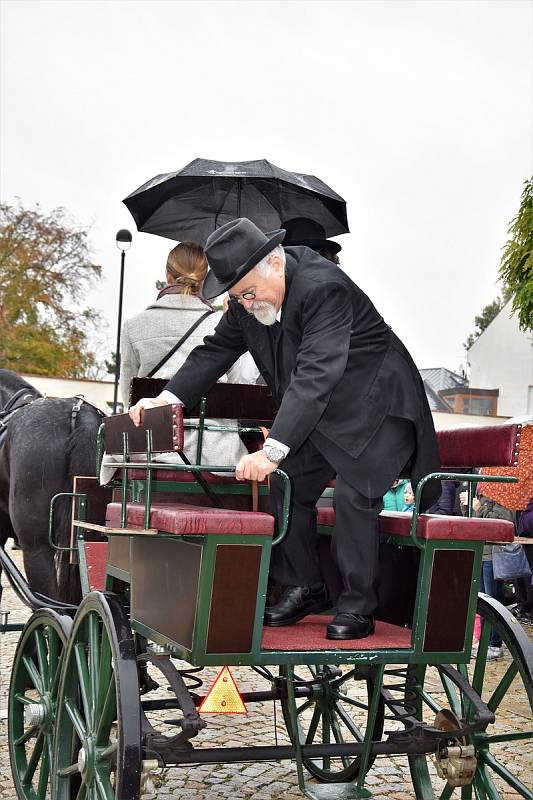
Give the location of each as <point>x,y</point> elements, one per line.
<point>355,539</point>
<point>355,535</point>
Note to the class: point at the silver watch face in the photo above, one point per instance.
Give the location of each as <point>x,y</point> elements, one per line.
<point>274,454</point>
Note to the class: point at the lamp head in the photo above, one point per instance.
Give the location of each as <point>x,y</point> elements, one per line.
<point>123,239</point>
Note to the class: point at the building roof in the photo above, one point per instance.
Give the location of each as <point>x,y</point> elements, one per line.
<point>441,378</point>
<point>436,403</point>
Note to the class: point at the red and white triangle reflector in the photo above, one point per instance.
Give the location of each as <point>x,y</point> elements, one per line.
<point>223,697</point>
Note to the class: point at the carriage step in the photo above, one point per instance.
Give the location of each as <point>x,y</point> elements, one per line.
<point>335,791</point>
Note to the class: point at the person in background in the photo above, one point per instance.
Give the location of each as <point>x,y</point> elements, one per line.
<point>446,504</point>
<point>486,508</point>
<point>150,336</point>
<point>408,499</point>
<point>525,523</point>
<point>301,231</point>
<point>524,609</point>
<point>393,500</point>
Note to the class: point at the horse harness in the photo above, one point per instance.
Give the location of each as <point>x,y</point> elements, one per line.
<point>24,397</point>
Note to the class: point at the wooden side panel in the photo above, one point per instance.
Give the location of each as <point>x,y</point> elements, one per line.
<point>397,582</point>
<point>118,552</point>
<point>233,598</point>
<point>95,556</point>
<point>449,593</point>
<point>97,499</point>
<point>165,574</point>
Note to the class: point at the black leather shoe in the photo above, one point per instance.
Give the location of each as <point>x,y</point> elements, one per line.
<point>350,626</point>
<point>296,603</point>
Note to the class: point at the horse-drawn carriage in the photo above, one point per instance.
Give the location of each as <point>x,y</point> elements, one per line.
<point>174,563</point>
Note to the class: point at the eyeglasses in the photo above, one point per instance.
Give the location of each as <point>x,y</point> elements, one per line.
<point>249,295</point>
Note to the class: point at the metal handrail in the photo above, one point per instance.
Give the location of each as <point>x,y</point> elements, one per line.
<point>149,466</point>
<point>83,498</point>
<point>451,476</point>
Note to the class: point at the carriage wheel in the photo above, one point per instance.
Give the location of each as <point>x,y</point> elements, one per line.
<point>510,698</point>
<point>33,700</point>
<point>98,729</point>
<point>331,715</point>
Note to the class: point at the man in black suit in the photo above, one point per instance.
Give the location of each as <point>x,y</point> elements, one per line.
<point>351,404</point>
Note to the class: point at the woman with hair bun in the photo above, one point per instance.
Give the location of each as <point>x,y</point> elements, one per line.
<point>149,336</point>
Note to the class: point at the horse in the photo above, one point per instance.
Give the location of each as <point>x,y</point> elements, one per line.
<point>44,443</point>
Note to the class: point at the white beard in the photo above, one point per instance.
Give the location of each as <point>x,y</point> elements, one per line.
<point>264,312</point>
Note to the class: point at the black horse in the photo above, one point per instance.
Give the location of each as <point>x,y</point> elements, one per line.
<point>45,443</point>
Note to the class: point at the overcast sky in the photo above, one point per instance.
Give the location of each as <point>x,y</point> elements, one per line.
<point>418,113</point>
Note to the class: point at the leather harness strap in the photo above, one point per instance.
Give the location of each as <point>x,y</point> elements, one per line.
<point>24,397</point>
<point>19,400</point>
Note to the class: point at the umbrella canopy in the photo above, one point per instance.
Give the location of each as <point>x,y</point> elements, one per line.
<point>191,203</point>
<point>515,496</point>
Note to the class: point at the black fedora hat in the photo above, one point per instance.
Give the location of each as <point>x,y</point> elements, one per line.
<point>233,250</point>
<point>304,231</point>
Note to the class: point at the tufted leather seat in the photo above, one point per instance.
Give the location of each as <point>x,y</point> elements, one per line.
<point>434,526</point>
<point>184,519</point>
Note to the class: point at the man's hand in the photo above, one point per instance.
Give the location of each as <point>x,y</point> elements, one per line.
<point>476,504</point>
<point>136,411</point>
<point>254,467</point>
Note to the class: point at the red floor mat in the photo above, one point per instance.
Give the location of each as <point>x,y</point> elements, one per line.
<point>310,634</point>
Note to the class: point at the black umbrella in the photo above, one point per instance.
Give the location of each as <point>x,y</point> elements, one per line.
<point>191,203</point>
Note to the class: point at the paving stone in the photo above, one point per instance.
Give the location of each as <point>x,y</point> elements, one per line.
<point>389,778</point>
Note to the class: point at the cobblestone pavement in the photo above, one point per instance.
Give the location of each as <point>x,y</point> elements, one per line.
<point>388,778</point>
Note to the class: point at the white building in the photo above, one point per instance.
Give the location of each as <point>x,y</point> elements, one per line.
<point>99,393</point>
<point>502,358</point>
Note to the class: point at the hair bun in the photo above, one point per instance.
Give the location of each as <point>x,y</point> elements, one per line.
<point>188,265</point>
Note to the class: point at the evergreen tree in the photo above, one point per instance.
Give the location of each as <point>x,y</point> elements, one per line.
<point>516,269</point>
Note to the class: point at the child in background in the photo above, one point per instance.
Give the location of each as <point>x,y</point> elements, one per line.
<point>393,500</point>
<point>408,499</point>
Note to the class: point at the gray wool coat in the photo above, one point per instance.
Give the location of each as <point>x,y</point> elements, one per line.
<point>148,337</point>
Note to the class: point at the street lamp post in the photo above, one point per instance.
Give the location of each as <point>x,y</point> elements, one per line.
<point>123,239</point>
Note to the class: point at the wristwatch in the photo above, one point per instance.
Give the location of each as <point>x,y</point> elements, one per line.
<point>273,454</point>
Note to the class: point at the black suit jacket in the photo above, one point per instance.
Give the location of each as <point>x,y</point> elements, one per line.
<point>336,369</point>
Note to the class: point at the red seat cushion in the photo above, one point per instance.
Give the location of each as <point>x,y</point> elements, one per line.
<point>435,526</point>
<point>182,519</point>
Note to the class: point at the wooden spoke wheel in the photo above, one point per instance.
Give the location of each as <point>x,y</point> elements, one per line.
<point>33,702</point>
<point>504,751</point>
<point>98,728</point>
<point>336,711</point>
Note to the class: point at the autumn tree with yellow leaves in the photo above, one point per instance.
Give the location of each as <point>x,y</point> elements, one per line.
<point>45,273</point>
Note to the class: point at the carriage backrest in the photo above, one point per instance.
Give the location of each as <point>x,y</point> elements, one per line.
<point>482,446</point>
<point>245,402</point>
<point>165,423</point>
